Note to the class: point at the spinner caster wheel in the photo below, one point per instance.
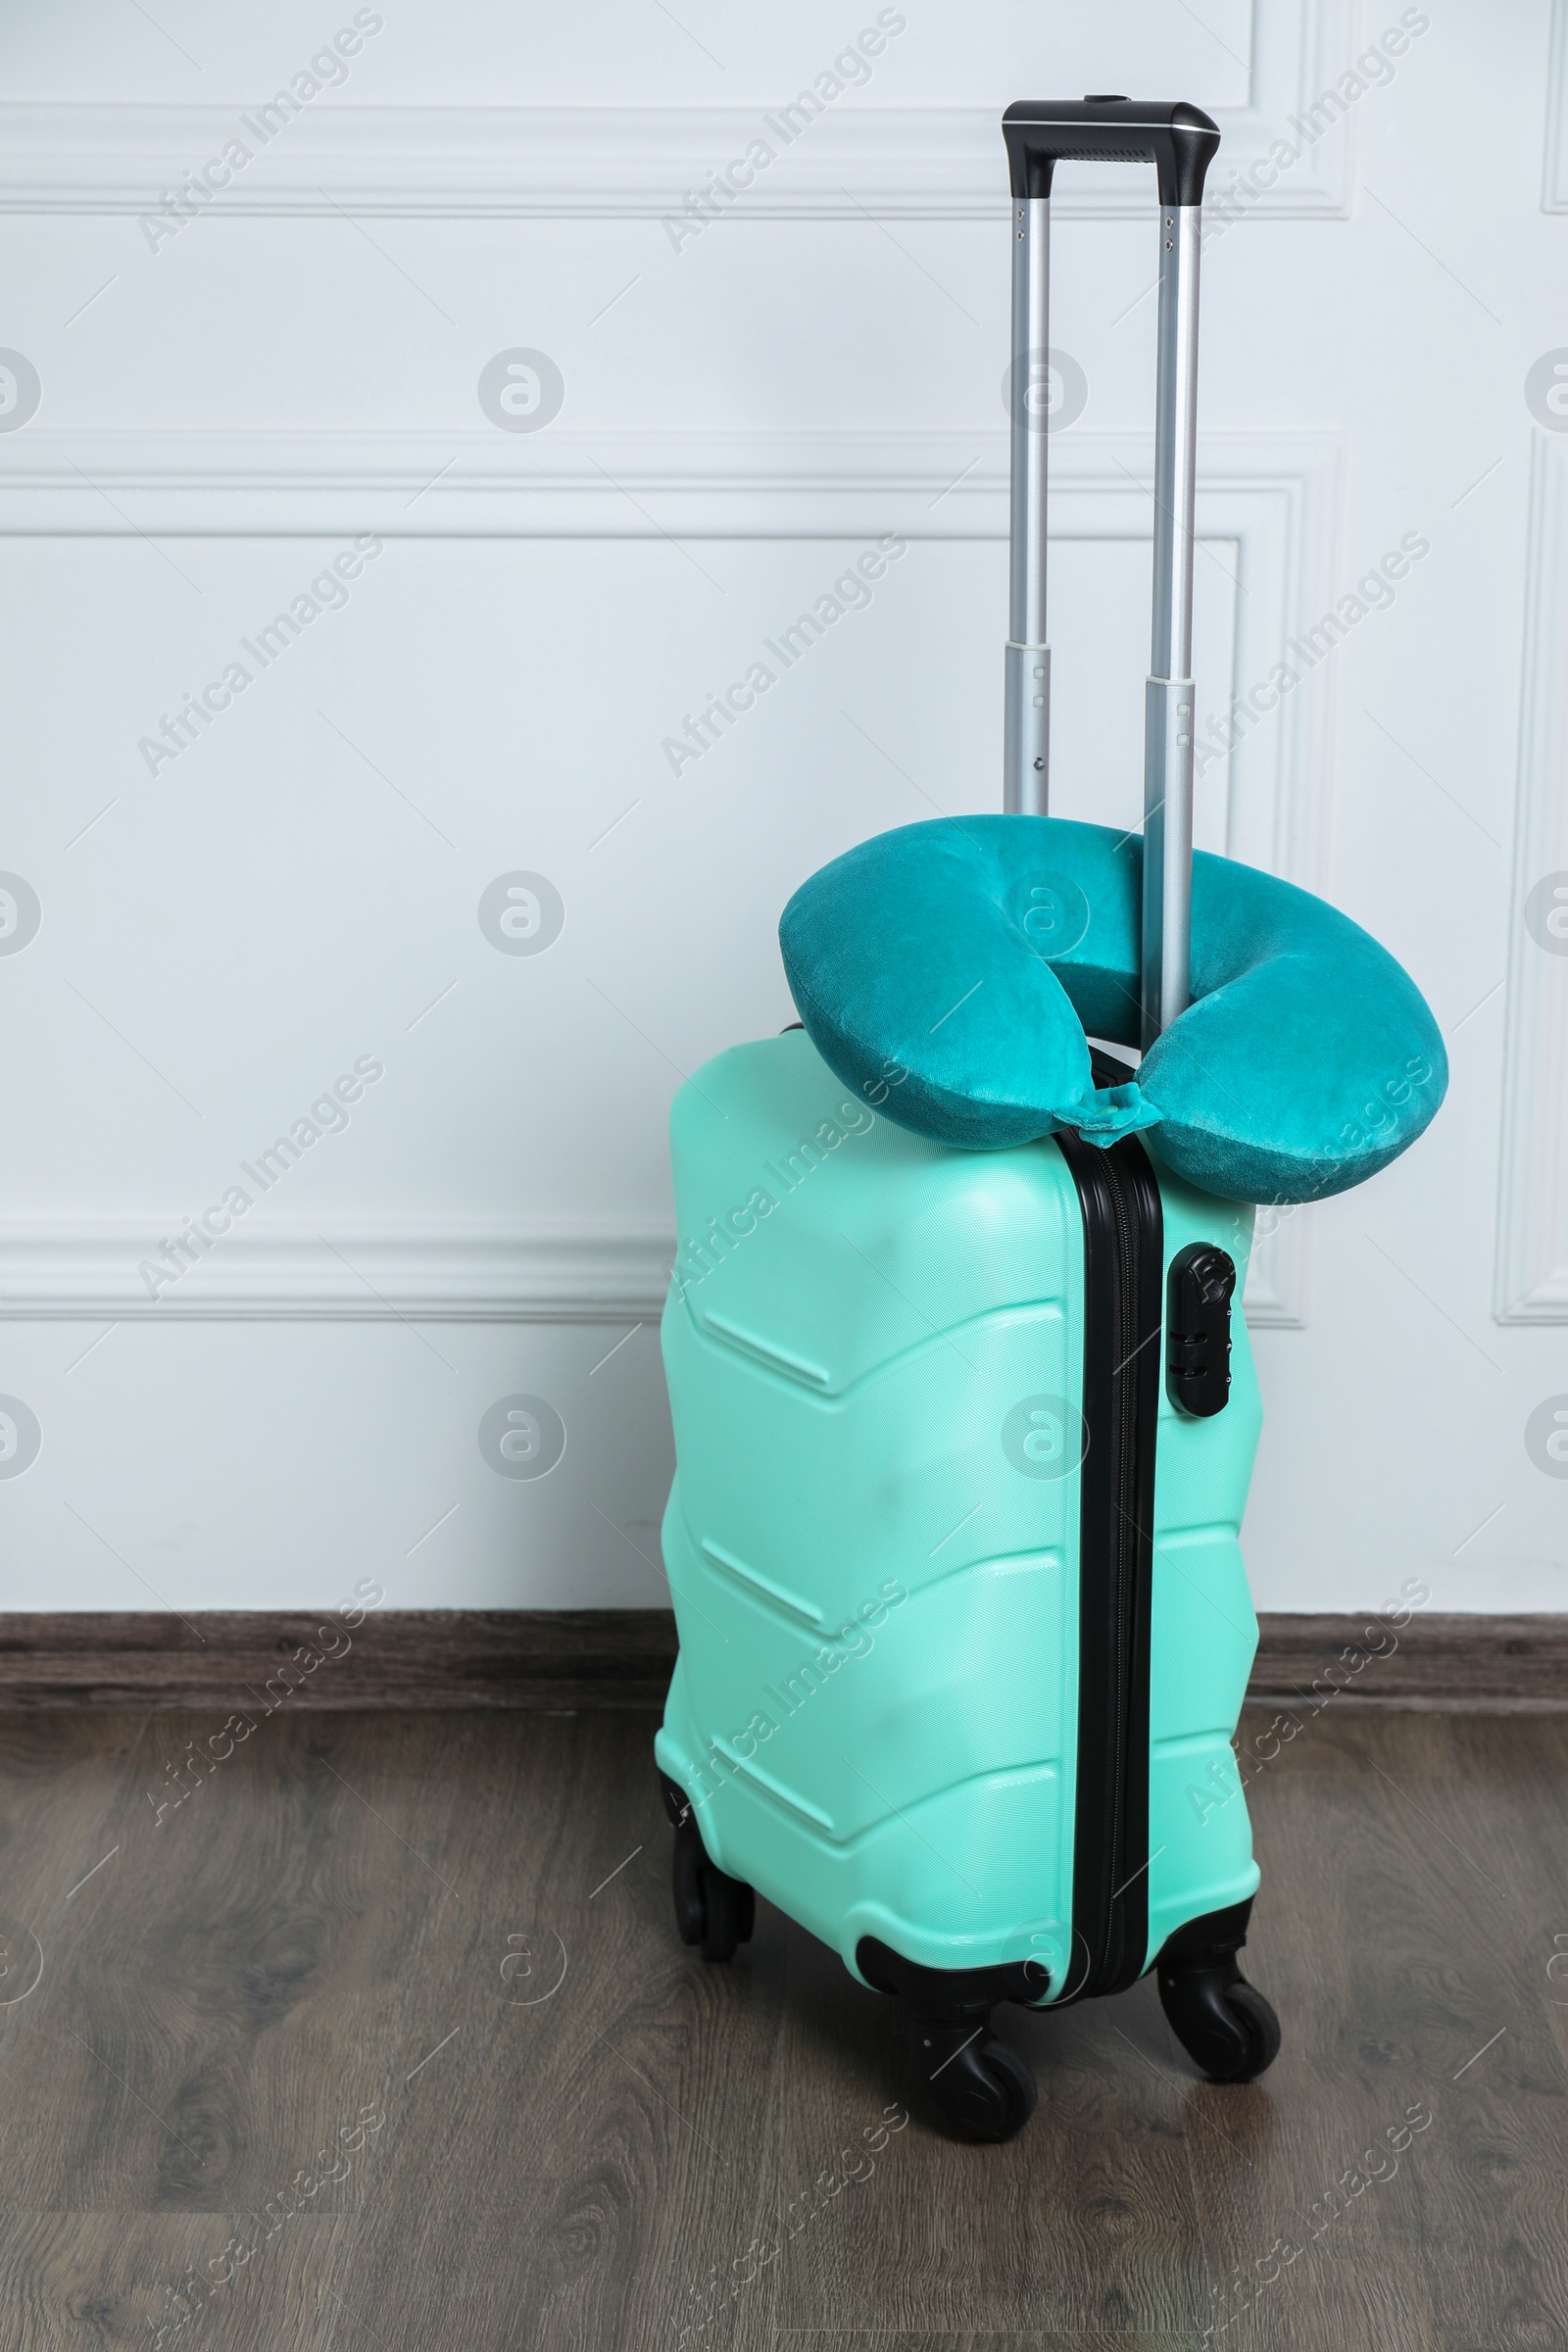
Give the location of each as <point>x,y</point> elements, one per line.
<point>983,2090</point>
<point>712,1910</point>
<point>1224,2024</point>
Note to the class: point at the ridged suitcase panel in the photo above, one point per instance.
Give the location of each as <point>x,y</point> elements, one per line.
<point>852,1326</point>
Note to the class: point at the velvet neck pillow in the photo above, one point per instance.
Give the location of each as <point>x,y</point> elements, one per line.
<point>949,971</point>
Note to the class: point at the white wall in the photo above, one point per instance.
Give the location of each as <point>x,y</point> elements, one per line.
<point>224,410</point>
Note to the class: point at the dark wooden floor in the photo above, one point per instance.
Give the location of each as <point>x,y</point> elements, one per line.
<point>383,2039</point>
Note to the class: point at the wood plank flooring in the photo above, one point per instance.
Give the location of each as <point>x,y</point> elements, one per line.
<point>382,2037</point>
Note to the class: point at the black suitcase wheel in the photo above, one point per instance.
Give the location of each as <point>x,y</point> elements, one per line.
<point>712,1909</point>
<point>690,1907</point>
<point>729,1913</point>
<point>1224,2024</point>
<point>983,2090</point>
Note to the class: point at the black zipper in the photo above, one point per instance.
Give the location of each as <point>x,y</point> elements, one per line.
<point>1123,1262</point>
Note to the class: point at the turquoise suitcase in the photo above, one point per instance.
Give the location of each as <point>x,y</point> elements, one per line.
<point>963,1443</point>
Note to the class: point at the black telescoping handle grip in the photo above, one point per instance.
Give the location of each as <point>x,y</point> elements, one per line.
<point>1179,140</point>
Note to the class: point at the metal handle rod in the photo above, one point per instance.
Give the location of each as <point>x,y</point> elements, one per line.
<point>1168,696</point>
<point>1027,753</point>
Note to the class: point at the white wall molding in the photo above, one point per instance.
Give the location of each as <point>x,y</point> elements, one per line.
<point>90,1271</point>
<point>1266,508</point>
<point>269,903</point>
<point>292,1273</point>
<point>945,486</point>
<point>1275,1294</point>
<point>594,163</point>
<point>1532,1280</point>
<point>1266,512</point>
<point>1554,170</point>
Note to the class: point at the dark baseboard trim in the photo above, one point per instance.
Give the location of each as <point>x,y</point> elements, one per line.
<point>565,1659</point>
<point>541,1658</point>
<point>1489,1664</point>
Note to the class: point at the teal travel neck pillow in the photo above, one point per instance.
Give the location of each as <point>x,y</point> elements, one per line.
<point>953,973</point>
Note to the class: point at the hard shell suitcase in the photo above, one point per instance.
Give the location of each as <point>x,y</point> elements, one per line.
<point>963,1439</point>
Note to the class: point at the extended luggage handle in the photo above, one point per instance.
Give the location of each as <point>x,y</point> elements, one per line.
<point>1180,141</point>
